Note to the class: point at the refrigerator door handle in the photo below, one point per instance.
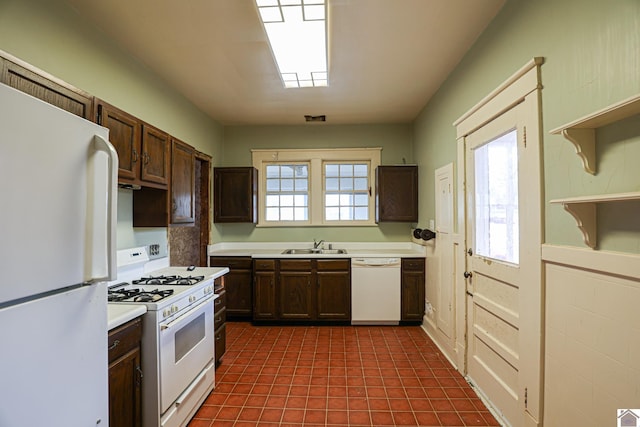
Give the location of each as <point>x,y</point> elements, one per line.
<point>102,262</point>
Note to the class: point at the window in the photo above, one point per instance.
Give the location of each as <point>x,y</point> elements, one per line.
<point>316,187</point>
<point>496,178</point>
<point>287,195</point>
<point>346,187</point>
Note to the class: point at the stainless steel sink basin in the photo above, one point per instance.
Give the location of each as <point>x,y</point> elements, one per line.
<point>314,251</point>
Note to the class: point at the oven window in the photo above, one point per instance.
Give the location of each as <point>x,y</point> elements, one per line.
<point>189,336</point>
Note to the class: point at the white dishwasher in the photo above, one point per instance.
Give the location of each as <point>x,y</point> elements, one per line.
<point>375,291</point>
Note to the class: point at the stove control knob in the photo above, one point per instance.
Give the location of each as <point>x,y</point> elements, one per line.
<point>166,312</point>
<point>174,308</point>
<point>192,298</point>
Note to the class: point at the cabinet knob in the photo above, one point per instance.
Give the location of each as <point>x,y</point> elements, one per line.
<point>467,274</point>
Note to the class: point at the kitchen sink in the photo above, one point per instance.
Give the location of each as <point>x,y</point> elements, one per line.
<point>314,251</point>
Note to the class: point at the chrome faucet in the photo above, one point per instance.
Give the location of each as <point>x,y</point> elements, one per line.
<point>317,244</point>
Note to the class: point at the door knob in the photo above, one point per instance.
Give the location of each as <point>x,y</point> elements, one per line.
<point>467,274</point>
<point>470,252</point>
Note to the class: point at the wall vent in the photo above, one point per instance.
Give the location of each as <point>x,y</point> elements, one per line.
<point>321,118</point>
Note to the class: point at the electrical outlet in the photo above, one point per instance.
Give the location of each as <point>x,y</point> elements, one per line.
<point>154,249</point>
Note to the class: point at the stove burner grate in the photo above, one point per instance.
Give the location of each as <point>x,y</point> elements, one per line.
<point>168,280</point>
<point>137,294</point>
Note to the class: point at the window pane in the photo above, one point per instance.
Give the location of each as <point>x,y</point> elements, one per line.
<point>361,214</point>
<point>273,184</point>
<point>361,184</point>
<point>332,214</point>
<point>496,199</point>
<point>300,200</point>
<point>287,184</point>
<point>346,170</point>
<point>360,170</point>
<point>273,214</point>
<point>273,171</point>
<point>300,214</point>
<point>286,200</point>
<point>332,184</point>
<point>346,184</point>
<point>302,184</point>
<point>332,200</point>
<point>273,200</point>
<point>346,213</point>
<point>287,171</point>
<point>331,170</point>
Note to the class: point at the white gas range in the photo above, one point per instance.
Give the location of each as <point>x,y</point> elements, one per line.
<point>178,344</point>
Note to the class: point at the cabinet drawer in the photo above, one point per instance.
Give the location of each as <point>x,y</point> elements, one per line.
<point>219,318</point>
<point>413,264</point>
<point>295,264</point>
<point>124,338</point>
<point>239,263</point>
<point>220,302</point>
<point>265,264</point>
<point>221,342</point>
<point>332,264</point>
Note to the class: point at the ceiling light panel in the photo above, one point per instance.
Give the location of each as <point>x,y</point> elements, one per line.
<point>297,34</point>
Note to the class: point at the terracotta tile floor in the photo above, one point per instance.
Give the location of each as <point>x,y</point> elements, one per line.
<point>337,376</point>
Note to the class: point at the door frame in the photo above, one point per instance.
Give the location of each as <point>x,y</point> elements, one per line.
<point>524,86</point>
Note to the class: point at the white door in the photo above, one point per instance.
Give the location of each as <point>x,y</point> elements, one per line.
<point>444,228</point>
<point>503,275</point>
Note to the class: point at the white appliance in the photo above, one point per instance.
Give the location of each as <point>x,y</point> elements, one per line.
<point>178,341</point>
<point>58,178</point>
<point>375,291</point>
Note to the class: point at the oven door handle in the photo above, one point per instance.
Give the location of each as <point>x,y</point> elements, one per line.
<point>180,318</point>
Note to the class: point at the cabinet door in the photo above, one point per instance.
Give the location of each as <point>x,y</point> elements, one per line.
<point>397,193</point>
<point>264,295</point>
<point>183,163</point>
<point>413,290</point>
<point>124,134</point>
<point>235,194</point>
<point>125,391</point>
<point>334,295</point>
<point>296,295</point>
<point>155,156</point>
<point>47,88</point>
<point>238,285</point>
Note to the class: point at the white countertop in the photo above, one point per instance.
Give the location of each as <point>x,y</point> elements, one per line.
<point>119,314</point>
<point>354,249</point>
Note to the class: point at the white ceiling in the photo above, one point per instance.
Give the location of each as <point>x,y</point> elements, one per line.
<point>386,57</point>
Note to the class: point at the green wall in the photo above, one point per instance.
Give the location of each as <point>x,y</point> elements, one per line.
<point>592,59</point>
<point>396,143</point>
<point>52,37</point>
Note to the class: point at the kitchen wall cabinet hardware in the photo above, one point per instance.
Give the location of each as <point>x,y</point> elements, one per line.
<point>235,194</point>
<point>219,321</point>
<point>412,289</point>
<point>37,83</point>
<point>397,193</point>
<point>238,284</point>
<point>183,181</point>
<point>125,375</point>
<point>582,132</point>
<point>302,290</point>
<point>264,290</point>
<point>583,210</point>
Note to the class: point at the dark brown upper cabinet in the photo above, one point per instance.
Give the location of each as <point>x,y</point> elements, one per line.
<point>45,87</point>
<point>235,194</point>
<point>143,150</point>
<point>125,132</point>
<point>397,193</point>
<point>183,160</point>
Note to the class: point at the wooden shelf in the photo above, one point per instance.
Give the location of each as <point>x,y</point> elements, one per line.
<point>582,132</point>
<point>583,210</point>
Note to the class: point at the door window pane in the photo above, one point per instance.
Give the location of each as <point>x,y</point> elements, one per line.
<point>496,199</point>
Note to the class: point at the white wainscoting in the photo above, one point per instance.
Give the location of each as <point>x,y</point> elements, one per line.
<point>592,335</point>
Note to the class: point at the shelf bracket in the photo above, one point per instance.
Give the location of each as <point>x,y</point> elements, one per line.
<point>585,216</point>
<point>584,141</point>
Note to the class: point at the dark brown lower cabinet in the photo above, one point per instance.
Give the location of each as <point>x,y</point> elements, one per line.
<point>219,324</point>
<point>333,277</point>
<point>302,290</point>
<point>413,289</point>
<point>125,375</point>
<point>238,284</point>
<point>264,290</point>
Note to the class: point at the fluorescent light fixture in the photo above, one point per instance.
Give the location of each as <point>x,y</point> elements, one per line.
<point>297,33</point>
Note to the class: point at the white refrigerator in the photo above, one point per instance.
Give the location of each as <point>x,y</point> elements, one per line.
<point>58,178</point>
